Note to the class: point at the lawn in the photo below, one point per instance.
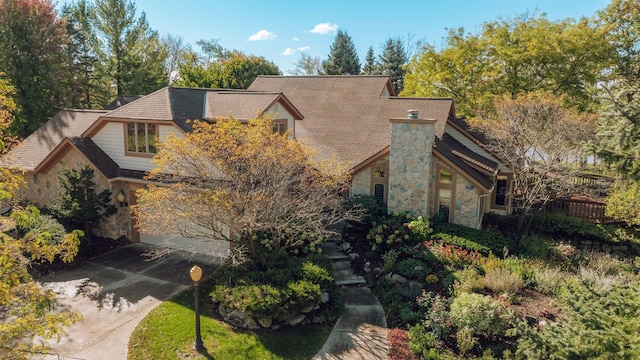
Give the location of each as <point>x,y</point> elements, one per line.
<point>168,332</point>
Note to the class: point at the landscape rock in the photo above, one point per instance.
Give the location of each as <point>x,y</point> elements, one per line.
<point>324,297</point>
<point>292,319</point>
<point>353,256</point>
<point>222,310</point>
<point>398,279</point>
<point>306,310</point>
<point>265,321</point>
<point>316,320</point>
<point>345,246</point>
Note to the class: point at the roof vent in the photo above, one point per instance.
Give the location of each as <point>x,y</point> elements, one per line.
<point>412,114</point>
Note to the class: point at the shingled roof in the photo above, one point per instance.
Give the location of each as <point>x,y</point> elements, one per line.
<point>446,149</point>
<point>37,146</point>
<point>349,115</point>
<point>244,104</point>
<point>167,104</point>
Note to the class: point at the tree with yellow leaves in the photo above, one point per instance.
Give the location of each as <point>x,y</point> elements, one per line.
<point>241,182</point>
<point>27,310</point>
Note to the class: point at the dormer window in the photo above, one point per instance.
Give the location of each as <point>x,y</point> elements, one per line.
<point>280,126</point>
<point>142,138</point>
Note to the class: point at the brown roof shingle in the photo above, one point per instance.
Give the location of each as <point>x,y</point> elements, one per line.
<point>37,146</point>
<point>347,115</point>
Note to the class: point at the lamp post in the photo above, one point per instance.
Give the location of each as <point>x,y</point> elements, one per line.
<point>196,275</point>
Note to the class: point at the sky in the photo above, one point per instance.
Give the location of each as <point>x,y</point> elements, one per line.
<point>280,30</point>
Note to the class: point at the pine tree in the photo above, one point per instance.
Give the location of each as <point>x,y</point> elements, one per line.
<point>392,62</point>
<point>131,52</point>
<point>370,66</point>
<point>343,58</point>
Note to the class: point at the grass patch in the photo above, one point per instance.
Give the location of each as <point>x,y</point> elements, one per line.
<point>168,332</point>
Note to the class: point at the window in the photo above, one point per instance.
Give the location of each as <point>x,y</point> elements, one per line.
<point>378,193</point>
<point>501,191</point>
<point>142,138</point>
<point>445,194</point>
<point>444,203</point>
<point>280,126</point>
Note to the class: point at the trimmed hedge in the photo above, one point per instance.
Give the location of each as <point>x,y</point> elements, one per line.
<point>470,239</point>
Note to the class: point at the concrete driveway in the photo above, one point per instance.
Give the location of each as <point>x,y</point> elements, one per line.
<point>113,292</point>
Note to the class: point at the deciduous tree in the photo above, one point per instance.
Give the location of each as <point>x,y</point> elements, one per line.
<point>343,58</point>
<point>33,56</point>
<point>535,136</point>
<point>308,65</point>
<point>526,54</point>
<point>261,186</point>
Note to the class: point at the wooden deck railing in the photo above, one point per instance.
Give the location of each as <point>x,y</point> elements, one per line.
<point>591,210</point>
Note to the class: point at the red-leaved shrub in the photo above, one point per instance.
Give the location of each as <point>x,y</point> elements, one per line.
<point>399,345</point>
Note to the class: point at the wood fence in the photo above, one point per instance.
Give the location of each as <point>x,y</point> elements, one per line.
<point>591,210</point>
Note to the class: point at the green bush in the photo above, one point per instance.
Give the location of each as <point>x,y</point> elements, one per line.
<point>412,269</point>
<point>549,280</point>
<point>489,239</point>
<point>467,281</point>
<point>256,300</point>
<point>316,274</point>
<point>422,342</point>
<point>600,324</point>
<point>503,281</point>
<point>372,208</point>
<point>462,242</point>
<point>521,267</point>
<point>477,313</point>
<point>535,246</point>
<point>397,231</point>
<point>303,293</point>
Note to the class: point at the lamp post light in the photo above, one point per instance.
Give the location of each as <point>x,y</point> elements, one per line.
<point>196,275</point>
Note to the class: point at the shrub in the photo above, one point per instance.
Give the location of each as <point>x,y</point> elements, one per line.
<point>549,280</point>
<point>489,239</point>
<point>477,313</point>
<point>437,318</point>
<point>452,255</point>
<point>395,230</point>
<point>522,267</point>
<point>467,280</point>
<point>501,281</point>
<point>369,204</point>
<point>462,242</point>
<point>420,229</point>
<point>465,340</point>
<point>422,342</point>
<point>399,345</point>
<point>316,274</point>
<point>255,300</point>
<point>303,293</point>
<point>412,268</point>
<point>536,246</point>
<point>431,279</point>
<point>599,324</point>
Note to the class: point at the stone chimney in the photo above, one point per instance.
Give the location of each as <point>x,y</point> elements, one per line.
<point>410,163</point>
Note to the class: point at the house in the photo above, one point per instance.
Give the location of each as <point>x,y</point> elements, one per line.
<point>412,154</point>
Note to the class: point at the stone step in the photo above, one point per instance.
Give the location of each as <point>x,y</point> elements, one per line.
<point>345,274</point>
<point>355,281</point>
<point>341,265</point>
<point>338,257</point>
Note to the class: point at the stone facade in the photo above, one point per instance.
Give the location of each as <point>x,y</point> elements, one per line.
<point>410,165</point>
<point>361,182</point>
<point>466,203</point>
<point>42,189</point>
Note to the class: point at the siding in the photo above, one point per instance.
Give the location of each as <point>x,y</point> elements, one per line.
<point>111,140</point>
<point>278,112</point>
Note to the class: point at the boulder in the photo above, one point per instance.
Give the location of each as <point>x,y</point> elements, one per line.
<point>353,256</point>
<point>292,319</point>
<point>324,297</point>
<point>265,321</point>
<point>222,310</point>
<point>307,309</point>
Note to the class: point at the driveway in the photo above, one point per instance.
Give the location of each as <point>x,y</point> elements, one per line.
<point>114,292</point>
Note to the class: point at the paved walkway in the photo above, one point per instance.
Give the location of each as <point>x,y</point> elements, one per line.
<point>114,292</point>
<point>361,331</point>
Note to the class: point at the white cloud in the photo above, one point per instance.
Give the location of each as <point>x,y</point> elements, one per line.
<point>304,48</point>
<point>325,28</point>
<point>262,35</point>
<point>296,39</point>
<point>288,52</point>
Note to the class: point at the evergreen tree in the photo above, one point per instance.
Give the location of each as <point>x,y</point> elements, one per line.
<point>343,58</point>
<point>370,66</point>
<point>93,88</point>
<point>78,205</point>
<point>621,19</point>
<point>33,56</point>
<point>392,62</point>
<point>131,52</point>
